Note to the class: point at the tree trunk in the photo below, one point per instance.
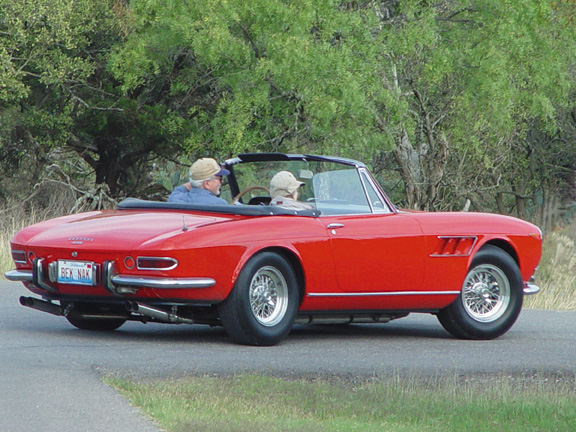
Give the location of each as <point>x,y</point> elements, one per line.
<point>408,160</point>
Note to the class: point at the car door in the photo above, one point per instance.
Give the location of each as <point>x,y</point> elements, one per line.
<point>375,248</point>
<point>377,253</point>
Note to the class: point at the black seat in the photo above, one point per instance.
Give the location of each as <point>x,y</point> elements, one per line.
<point>260,200</point>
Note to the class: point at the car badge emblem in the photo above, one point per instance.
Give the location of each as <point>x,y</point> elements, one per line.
<point>80,240</point>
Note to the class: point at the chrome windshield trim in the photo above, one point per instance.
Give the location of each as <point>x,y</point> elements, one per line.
<point>367,180</point>
<point>375,294</point>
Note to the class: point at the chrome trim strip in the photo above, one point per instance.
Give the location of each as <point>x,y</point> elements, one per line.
<point>19,275</point>
<point>387,294</point>
<point>530,288</point>
<point>162,283</point>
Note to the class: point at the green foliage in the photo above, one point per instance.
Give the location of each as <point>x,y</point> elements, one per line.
<point>48,52</point>
<point>40,40</point>
<point>463,78</point>
<point>261,75</point>
<point>467,100</point>
<point>475,78</point>
<point>56,54</point>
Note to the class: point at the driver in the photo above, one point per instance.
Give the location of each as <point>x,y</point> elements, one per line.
<point>284,189</point>
<point>204,185</point>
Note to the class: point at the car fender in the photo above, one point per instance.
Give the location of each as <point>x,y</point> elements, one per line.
<point>285,249</point>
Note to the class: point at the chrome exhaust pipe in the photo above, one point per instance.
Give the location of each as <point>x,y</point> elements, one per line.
<point>157,314</point>
<point>41,305</point>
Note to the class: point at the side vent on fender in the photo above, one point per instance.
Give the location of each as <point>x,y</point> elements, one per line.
<point>449,246</point>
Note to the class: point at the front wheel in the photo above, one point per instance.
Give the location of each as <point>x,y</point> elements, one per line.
<point>262,307</point>
<point>491,297</point>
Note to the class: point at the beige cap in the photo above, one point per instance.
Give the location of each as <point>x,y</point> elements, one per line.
<point>205,168</point>
<point>282,183</point>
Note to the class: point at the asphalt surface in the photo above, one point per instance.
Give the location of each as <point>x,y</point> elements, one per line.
<point>50,372</point>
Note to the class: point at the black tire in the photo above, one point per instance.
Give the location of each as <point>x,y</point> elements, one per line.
<point>96,324</point>
<point>263,304</point>
<point>491,297</point>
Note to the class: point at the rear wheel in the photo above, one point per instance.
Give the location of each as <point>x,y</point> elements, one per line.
<point>262,307</point>
<point>491,297</point>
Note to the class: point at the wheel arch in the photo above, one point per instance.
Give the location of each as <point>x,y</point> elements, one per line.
<point>289,255</point>
<point>296,265</point>
<point>505,246</point>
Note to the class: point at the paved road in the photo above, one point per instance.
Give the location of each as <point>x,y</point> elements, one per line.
<point>50,372</point>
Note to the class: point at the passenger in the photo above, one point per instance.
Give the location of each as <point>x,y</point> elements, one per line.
<point>204,185</point>
<point>284,189</point>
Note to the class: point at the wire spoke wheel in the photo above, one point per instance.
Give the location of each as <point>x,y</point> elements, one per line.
<point>263,304</point>
<point>268,296</point>
<point>486,293</point>
<point>490,300</point>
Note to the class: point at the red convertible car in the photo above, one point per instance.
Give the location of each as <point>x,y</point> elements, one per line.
<point>257,269</point>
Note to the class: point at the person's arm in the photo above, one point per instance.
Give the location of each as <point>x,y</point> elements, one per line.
<point>180,194</point>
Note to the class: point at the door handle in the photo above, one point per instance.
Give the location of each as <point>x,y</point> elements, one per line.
<point>335,225</point>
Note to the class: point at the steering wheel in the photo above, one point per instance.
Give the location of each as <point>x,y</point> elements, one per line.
<point>248,189</point>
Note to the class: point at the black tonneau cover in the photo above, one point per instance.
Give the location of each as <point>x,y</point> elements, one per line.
<point>241,209</point>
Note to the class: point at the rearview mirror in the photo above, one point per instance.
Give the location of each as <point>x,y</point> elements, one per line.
<point>305,174</point>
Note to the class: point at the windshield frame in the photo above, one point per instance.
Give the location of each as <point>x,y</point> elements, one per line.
<point>367,180</point>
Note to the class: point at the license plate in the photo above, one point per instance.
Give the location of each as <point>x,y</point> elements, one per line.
<point>76,272</point>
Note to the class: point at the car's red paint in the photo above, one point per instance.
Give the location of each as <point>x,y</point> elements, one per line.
<point>352,258</point>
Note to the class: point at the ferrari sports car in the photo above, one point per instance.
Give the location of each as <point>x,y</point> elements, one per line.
<point>258,269</point>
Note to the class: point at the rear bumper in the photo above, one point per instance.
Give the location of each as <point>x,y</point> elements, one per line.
<point>19,275</point>
<point>114,283</point>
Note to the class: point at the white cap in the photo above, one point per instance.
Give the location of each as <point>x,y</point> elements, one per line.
<point>284,183</point>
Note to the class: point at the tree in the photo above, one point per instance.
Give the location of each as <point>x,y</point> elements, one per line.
<point>440,86</point>
<point>59,103</point>
<point>264,75</point>
<point>474,77</point>
<point>467,100</point>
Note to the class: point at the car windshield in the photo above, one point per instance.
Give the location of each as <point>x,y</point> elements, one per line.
<point>333,188</point>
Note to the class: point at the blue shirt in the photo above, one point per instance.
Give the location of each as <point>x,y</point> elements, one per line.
<point>195,196</point>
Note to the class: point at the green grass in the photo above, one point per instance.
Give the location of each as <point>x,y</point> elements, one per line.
<point>271,404</point>
<point>9,227</point>
<point>556,274</point>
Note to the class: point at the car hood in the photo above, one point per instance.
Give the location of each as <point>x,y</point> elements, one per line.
<point>115,229</point>
<point>470,223</point>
